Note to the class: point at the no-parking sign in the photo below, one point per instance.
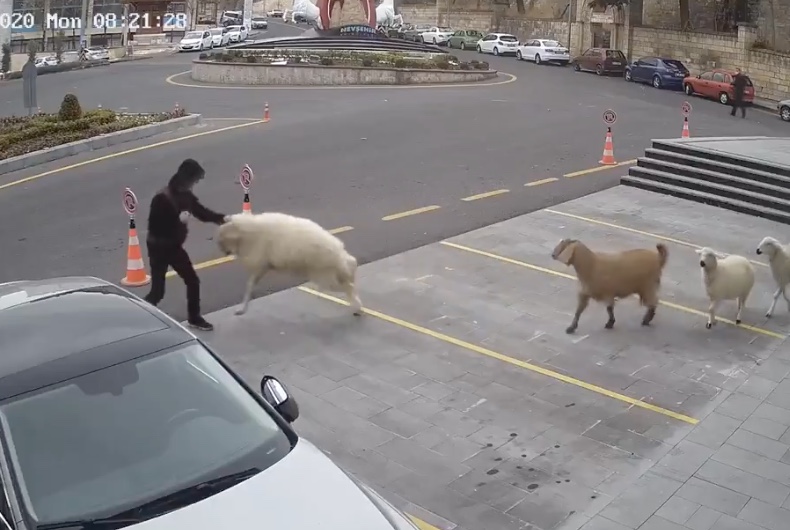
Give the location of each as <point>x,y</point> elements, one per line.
<point>686,108</point>
<point>245,177</point>
<point>609,117</point>
<point>129,201</point>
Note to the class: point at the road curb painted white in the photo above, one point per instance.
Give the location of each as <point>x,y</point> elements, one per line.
<point>98,142</point>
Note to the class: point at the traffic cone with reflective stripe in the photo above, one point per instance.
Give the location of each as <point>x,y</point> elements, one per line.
<point>246,206</point>
<point>265,112</point>
<point>685,133</point>
<point>608,150</point>
<point>135,269</point>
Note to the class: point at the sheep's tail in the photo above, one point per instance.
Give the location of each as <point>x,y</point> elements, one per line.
<point>351,266</point>
<point>663,254</point>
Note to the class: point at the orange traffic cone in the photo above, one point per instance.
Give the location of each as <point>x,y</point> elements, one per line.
<point>685,133</point>
<point>246,207</point>
<point>135,269</point>
<point>265,112</point>
<point>608,150</point>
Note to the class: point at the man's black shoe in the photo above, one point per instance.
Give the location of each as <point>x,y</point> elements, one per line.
<point>200,323</point>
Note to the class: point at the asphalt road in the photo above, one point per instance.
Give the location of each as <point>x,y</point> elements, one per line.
<point>341,157</point>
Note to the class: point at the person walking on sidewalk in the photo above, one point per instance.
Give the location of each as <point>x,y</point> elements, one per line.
<point>738,88</point>
<point>167,231</point>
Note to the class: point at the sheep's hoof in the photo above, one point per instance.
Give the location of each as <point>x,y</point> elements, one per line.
<point>645,322</point>
<point>570,329</point>
<point>768,315</point>
<point>708,325</point>
<point>357,312</point>
<point>239,312</point>
<point>738,321</point>
<point>609,325</point>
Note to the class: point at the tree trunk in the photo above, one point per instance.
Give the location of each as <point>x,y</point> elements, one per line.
<point>685,14</point>
<point>47,10</point>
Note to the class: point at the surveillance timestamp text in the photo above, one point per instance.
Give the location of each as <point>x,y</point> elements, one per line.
<point>131,22</point>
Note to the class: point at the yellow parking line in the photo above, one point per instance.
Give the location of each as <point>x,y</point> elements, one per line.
<point>227,259</point>
<point>672,305</point>
<point>635,231</point>
<point>410,212</point>
<point>597,169</point>
<point>510,360</point>
<point>485,195</point>
<point>541,182</point>
<point>422,525</point>
<point>126,152</point>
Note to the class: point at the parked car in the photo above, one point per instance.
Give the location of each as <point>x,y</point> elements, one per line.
<point>97,53</point>
<point>465,38</point>
<point>275,13</point>
<point>196,41</point>
<point>543,51</point>
<point>716,84</point>
<point>415,32</point>
<point>601,61</point>
<point>228,18</point>
<point>259,23</point>
<point>401,31</point>
<point>219,37</point>
<point>436,35</point>
<point>658,71</point>
<point>114,416</point>
<point>784,109</point>
<point>237,33</point>
<point>46,61</point>
<point>498,44</point>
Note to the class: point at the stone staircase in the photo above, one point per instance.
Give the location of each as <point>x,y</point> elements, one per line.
<point>726,180</point>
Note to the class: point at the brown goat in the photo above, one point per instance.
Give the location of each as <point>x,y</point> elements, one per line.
<point>606,277</point>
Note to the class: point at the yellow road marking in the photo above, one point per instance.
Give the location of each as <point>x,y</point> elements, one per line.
<point>679,307</point>
<point>485,195</point>
<point>635,231</point>
<point>510,360</point>
<point>510,79</point>
<point>227,259</point>
<point>126,152</point>
<point>410,212</point>
<point>597,169</point>
<point>422,525</point>
<point>541,182</point>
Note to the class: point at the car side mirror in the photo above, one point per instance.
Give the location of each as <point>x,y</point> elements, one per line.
<point>275,393</point>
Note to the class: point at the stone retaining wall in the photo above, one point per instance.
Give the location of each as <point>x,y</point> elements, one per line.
<point>317,75</point>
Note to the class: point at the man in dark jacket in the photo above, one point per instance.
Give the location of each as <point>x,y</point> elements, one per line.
<point>738,88</point>
<point>167,232</point>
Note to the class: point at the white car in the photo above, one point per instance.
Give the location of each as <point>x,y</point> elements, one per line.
<point>237,33</point>
<point>219,37</point>
<point>196,41</point>
<point>97,53</point>
<point>498,44</point>
<point>784,109</point>
<point>543,51</point>
<point>46,61</point>
<point>259,23</point>
<point>436,35</point>
<point>276,13</point>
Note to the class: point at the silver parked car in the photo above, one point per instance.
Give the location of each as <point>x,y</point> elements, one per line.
<point>784,109</point>
<point>113,415</point>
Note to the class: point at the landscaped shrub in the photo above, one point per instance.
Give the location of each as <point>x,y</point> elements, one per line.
<point>5,63</point>
<point>70,108</point>
<point>252,59</point>
<point>203,56</point>
<point>465,66</point>
<point>400,62</point>
<point>482,65</point>
<point>326,61</point>
<point>367,62</point>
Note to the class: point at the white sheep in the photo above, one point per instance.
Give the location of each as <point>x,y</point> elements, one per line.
<point>779,260</point>
<point>281,242</point>
<point>606,277</point>
<point>725,278</point>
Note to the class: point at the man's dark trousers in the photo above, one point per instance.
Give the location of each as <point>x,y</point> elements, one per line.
<point>738,103</point>
<point>162,257</point>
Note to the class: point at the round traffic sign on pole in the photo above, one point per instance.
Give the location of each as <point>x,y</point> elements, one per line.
<point>609,117</point>
<point>246,177</point>
<point>129,201</point>
<point>686,108</point>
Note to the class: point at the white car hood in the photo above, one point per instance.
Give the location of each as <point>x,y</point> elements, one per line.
<point>305,490</point>
<point>190,41</point>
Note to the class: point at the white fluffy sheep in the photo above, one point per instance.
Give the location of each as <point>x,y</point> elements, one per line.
<point>606,277</point>
<point>725,278</point>
<point>281,242</point>
<point>779,259</point>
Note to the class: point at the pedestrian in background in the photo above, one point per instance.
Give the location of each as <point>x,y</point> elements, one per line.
<point>738,88</point>
<point>167,231</point>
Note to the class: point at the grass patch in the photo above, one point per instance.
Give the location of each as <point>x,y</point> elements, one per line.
<point>20,135</point>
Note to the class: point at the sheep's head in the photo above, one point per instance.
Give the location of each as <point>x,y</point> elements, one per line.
<point>563,252</point>
<point>229,237</point>
<point>708,258</point>
<point>768,246</point>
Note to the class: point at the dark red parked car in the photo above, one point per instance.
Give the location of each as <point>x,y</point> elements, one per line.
<point>601,61</point>
<point>716,84</point>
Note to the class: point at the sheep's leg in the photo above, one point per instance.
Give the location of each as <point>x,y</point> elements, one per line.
<point>741,305</point>
<point>584,300</point>
<point>712,313</point>
<point>778,292</point>
<point>784,293</point>
<point>610,311</point>
<point>651,301</point>
<point>251,282</point>
<point>353,298</point>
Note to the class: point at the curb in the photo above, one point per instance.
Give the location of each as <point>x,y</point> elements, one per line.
<point>90,144</point>
<point>133,58</point>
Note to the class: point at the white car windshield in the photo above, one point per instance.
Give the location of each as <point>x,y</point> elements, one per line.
<point>234,28</point>
<point>551,44</point>
<point>507,38</point>
<point>112,440</point>
<point>194,35</point>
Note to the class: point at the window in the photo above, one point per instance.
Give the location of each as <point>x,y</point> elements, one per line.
<point>508,38</point>
<point>672,63</point>
<point>592,52</point>
<point>649,61</point>
<point>718,77</point>
<point>551,44</point>
<point>105,442</point>
<point>5,510</point>
<point>490,37</point>
<point>706,76</point>
<point>617,55</point>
